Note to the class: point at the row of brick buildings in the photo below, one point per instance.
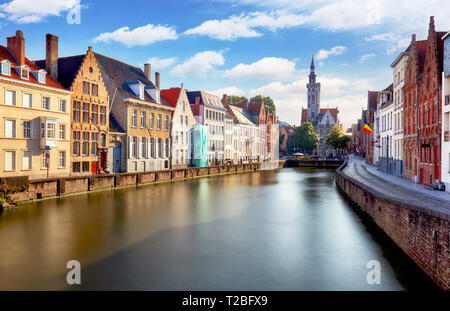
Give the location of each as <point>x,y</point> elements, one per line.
<point>410,118</point>
<point>91,114</point>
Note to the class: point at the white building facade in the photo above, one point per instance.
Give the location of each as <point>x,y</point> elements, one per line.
<point>399,67</point>
<point>386,130</point>
<point>445,143</point>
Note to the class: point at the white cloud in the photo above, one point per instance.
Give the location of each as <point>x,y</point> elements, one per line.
<point>198,65</point>
<point>403,15</point>
<point>365,57</point>
<point>160,63</point>
<point>26,11</point>
<point>273,68</point>
<point>396,41</point>
<point>245,26</point>
<point>337,50</point>
<point>231,90</point>
<point>143,35</point>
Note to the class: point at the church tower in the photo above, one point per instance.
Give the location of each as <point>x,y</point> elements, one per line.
<point>313,95</point>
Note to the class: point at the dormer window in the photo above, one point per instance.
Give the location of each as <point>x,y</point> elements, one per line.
<point>23,71</point>
<point>138,88</point>
<point>39,75</point>
<point>6,67</point>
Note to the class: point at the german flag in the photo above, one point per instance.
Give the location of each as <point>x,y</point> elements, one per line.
<point>367,129</point>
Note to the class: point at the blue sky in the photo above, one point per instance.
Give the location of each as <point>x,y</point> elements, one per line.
<point>245,47</point>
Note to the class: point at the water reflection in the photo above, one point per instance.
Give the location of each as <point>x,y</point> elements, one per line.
<point>276,230</point>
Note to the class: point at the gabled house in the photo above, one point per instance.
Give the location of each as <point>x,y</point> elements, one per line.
<point>35,117</point>
<point>181,128</point>
<point>89,107</point>
<point>138,110</point>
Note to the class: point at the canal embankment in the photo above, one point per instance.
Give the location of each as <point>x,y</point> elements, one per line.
<point>22,190</point>
<point>418,225</point>
<point>329,163</point>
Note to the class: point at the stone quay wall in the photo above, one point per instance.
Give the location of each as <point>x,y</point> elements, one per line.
<point>54,187</point>
<point>421,233</point>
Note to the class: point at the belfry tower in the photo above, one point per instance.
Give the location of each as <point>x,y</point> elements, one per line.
<point>313,95</point>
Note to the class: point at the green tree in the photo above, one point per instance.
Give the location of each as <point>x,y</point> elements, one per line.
<point>233,99</point>
<point>281,140</point>
<point>268,102</point>
<point>305,138</point>
<point>337,139</point>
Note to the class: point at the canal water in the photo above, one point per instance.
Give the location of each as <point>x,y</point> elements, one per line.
<point>288,229</point>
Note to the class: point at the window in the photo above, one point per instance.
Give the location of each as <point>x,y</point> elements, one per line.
<point>159,122</point>
<point>10,98</point>
<point>26,160</point>
<point>76,111</point>
<point>62,159</point>
<point>62,131</point>
<point>181,120</point>
<point>85,113</point>
<point>62,105</point>
<point>51,130</point>
<point>26,129</point>
<point>10,160</point>
<point>26,100</point>
<point>10,128</point>
<point>94,139</point>
<point>76,167</point>
<point>142,119</point>
<point>94,114</point>
<point>46,103</point>
<point>85,88</point>
<point>143,147</point>
<point>24,73</point>
<point>152,119</point>
<point>102,115</point>
<point>6,68</point>
<point>44,160</point>
<point>94,90</point>
<point>184,106</point>
<point>103,140</point>
<point>152,147</point>
<point>85,167</point>
<point>134,118</point>
<point>134,147</point>
<point>166,123</point>
<point>160,148</point>
<point>41,77</point>
<point>76,144</point>
<point>85,144</point>
<point>186,120</point>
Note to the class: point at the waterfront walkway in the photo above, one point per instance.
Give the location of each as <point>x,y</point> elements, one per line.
<point>397,188</point>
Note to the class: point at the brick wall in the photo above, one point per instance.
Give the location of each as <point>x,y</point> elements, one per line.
<point>422,234</point>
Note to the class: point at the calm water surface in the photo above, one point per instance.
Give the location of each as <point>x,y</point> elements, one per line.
<point>270,230</point>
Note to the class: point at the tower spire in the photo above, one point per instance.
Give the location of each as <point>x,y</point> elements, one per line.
<point>312,64</point>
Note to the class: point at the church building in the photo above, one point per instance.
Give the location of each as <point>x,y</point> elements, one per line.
<point>322,119</point>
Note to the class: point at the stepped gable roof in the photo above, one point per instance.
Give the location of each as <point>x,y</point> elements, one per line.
<point>118,75</point>
<point>67,68</point>
<point>49,81</point>
<point>421,48</point>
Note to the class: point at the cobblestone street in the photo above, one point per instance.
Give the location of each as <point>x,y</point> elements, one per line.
<point>397,188</point>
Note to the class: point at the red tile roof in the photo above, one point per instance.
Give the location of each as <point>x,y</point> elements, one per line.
<point>50,82</point>
<point>334,111</point>
<point>171,95</point>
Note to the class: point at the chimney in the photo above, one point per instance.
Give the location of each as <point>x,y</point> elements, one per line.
<point>16,46</point>
<point>413,37</point>
<point>197,101</point>
<point>148,71</point>
<point>224,99</point>
<point>51,55</point>
<point>157,80</point>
